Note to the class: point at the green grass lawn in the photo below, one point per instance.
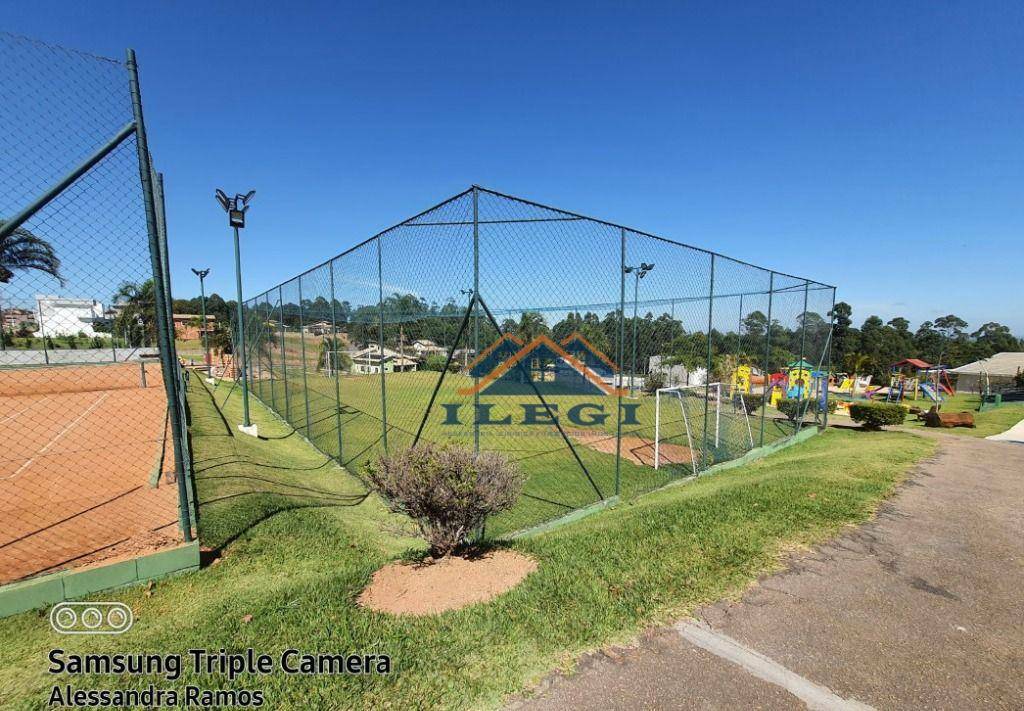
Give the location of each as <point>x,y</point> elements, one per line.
<point>557,483</point>
<point>299,540</point>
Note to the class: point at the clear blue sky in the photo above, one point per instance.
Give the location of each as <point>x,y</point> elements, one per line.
<point>876,146</point>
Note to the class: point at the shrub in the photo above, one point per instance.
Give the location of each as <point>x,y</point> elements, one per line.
<point>447,490</point>
<point>876,415</point>
<point>791,407</point>
<point>751,402</point>
<point>654,380</point>
<point>435,362</point>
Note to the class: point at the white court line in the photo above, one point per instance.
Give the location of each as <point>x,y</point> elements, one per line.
<point>25,409</point>
<point>56,437</point>
<point>815,696</point>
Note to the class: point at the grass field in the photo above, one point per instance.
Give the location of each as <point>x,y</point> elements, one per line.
<point>298,540</point>
<point>557,482</point>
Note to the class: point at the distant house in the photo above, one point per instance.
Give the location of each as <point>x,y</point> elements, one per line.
<point>423,348</point>
<point>370,360</point>
<point>13,318</point>
<point>997,371</point>
<point>319,328</point>
<point>186,328</point>
<point>59,316</point>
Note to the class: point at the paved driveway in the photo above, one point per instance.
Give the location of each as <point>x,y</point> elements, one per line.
<point>921,608</point>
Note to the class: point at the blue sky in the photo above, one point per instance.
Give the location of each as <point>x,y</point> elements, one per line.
<point>874,147</point>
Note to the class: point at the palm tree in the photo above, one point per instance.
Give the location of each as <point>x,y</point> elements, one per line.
<point>138,311</point>
<point>22,250</point>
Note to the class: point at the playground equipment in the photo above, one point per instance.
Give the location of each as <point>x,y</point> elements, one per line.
<point>741,380</point>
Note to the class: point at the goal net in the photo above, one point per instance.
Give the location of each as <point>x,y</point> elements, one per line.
<point>696,425</point>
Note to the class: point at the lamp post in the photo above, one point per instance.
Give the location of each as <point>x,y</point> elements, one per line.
<point>202,273</point>
<point>236,207</point>
<point>638,274</point>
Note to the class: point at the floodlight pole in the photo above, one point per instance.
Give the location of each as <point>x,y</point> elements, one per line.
<point>201,273</point>
<point>241,334</point>
<point>632,369</point>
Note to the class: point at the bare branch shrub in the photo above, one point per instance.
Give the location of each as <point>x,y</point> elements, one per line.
<point>448,491</point>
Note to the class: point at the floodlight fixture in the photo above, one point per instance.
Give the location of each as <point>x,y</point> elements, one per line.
<point>236,206</point>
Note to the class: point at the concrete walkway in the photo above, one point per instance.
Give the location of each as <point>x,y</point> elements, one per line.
<point>921,608</point>
<point>1014,434</point>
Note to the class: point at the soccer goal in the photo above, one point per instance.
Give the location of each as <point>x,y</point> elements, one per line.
<point>691,402</point>
<point>329,363</point>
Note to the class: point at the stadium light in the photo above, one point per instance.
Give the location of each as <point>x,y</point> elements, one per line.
<point>202,274</point>
<point>236,207</point>
<point>638,273</point>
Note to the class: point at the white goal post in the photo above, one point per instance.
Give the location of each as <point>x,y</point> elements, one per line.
<point>713,393</point>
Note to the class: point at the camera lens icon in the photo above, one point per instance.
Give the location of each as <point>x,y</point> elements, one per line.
<point>91,618</point>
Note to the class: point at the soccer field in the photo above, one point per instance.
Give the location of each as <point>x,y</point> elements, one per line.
<point>561,478</point>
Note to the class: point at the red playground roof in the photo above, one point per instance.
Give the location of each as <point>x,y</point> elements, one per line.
<point>914,362</point>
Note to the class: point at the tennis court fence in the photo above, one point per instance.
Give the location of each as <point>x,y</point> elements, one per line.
<point>96,463</point>
<point>499,323</point>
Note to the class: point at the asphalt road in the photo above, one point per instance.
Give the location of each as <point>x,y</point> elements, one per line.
<point>921,608</point>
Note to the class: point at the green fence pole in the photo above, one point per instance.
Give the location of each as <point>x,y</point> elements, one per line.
<point>828,356</point>
<point>305,365</point>
<point>284,357</point>
<point>334,357</point>
<point>167,349</point>
<point>270,355</point>
<point>380,345</point>
<point>707,373</point>
<point>803,335</point>
<point>621,356</point>
<point>767,353</point>
<point>476,316</point>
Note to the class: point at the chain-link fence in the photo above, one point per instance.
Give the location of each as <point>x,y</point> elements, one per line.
<point>95,459</point>
<point>603,360</point>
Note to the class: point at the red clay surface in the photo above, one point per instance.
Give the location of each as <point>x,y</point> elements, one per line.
<point>637,450</point>
<point>75,472</point>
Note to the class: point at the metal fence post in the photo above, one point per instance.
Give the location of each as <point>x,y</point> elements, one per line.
<point>284,355</point>
<point>270,354</point>
<point>305,365</point>
<point>621,356</point>
<point>380,345</point>
<point>707,374</point>
<point>476,316</point>
<point>179,382</point>
<point>828,354</point>
<point>803,335</point>
<point>167,344</point>
<point>334,361</point>
<point>767,354</point>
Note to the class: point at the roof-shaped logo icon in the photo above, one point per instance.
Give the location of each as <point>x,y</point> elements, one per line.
<point>571,367</point>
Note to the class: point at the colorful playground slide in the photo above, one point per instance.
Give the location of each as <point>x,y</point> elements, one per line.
<point>928,390</point>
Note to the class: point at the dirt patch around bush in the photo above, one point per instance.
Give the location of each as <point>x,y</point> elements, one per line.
<point>402,588</point>
<point>637,450</point>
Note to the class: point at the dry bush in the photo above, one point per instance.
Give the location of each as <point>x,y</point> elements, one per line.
<point>447,490</point>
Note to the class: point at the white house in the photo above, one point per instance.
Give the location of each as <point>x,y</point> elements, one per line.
<point>998,370</point>
<point>423,348</point>
<point>59,316</point>
<point>369,360</point>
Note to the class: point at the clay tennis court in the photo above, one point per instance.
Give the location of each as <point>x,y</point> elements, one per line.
<point>86,470</point>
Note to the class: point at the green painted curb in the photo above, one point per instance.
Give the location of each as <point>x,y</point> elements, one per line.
<point>564,520</point>
<point>69,584</point>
